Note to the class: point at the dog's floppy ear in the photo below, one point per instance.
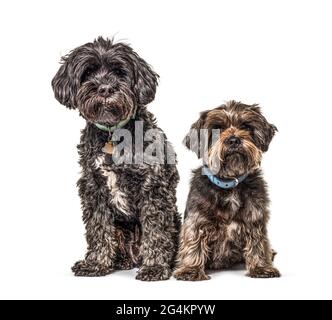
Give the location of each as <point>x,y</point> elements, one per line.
<point>265,131</point>
<point>146,81</point>
<point>193,139</point>
<point>64,85</point>
<point>269,132</point>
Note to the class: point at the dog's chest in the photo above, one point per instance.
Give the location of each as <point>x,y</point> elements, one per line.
<point>228,206</point>
<point>232,202</point>
<point>123,187</point>
<point>234,205</point>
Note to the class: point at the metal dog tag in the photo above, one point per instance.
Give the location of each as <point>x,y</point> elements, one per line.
<point>108,147</point>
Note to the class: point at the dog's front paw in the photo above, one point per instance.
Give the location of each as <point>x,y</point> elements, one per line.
<point>90,269</point>
<point>154,273</point>
<point>191,274</point>
<point>264,272</point>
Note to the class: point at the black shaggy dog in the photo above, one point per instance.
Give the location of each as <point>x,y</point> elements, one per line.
<point>227,210</point>
<point>129,209</point>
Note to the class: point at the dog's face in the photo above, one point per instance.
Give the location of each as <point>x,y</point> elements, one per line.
<point>105,81</point>
<point>238,135</point>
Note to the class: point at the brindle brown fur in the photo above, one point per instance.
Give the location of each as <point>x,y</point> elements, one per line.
<point>226,227</point>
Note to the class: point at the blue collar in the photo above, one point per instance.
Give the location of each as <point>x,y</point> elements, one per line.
<point>224,184</point>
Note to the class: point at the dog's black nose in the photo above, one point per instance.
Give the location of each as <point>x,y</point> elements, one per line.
<point>233,141</point>
<point>105,90</point>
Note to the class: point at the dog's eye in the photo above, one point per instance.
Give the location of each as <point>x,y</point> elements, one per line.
<point>218,127</point>
<point>88,72</point>
<point>118,71</point>
<point>246,126</point>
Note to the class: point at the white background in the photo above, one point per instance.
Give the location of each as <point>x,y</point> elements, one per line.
<point>276,53</point>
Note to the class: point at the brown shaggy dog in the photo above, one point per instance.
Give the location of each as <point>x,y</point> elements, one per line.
<point>227,210</point>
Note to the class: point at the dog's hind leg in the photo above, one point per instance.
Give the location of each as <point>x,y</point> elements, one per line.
<point>128,249</point>
<point>274,253</point>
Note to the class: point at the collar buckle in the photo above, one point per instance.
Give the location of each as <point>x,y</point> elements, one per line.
<point>236,182</point>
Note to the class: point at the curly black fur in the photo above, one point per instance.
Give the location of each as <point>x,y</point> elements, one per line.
<point>130,209</point>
